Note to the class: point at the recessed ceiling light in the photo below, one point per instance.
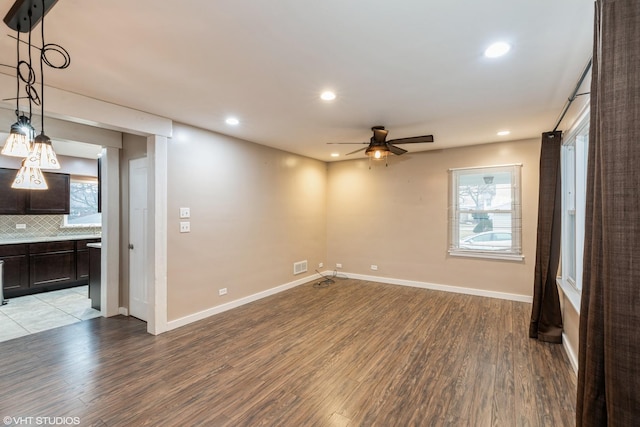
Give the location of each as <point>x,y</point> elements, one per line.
<point>232,121</point>
<point>328,95</point>
<point>497,49</point>
<point>335,155</point>
<point>504,132</point>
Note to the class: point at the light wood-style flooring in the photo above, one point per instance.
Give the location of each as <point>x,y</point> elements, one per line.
<point>353,354</point>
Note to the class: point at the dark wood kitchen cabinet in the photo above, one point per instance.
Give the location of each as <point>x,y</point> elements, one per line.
<point>52,263</point>
<point>54,200</point>
<point>16,267</point>
<point>82,258</point>
<point>31,268</point>
<point>12,202</point>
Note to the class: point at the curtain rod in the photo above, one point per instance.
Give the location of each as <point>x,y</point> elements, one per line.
<point>574,95</point>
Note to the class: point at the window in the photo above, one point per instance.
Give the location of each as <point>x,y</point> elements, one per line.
<point>574,188</point>
<point>83,210</point>
<point>485,212</point>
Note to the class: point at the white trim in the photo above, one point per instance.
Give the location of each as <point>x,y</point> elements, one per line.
<point>110,252</point>
<point>571,293</point>
<point>573,359</point>
<point>157,155</point>
<point>486,167</point>
<point>489,255</point>
<point>81,109</point>
<point>173,324</point>
<point>123,311</point>
<point>445,288</point>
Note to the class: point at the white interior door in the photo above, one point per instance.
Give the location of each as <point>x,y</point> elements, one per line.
<point>138,289</point>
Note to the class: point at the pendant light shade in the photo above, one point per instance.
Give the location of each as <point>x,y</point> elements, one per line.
<point>29,178</point>
<point>20,139</point>
<point>42,155</point>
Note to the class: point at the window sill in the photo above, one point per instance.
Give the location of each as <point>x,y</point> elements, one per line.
<point>572,294</point>
<point>487,255</point>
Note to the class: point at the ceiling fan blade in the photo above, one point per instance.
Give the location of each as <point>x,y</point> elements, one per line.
<point>396,150</point>
<point>347,143</point>
<point>413,140</point>
<point>357,151</point>
<point>379,134</point>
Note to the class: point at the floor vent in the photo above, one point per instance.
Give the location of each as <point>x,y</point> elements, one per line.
<point>300,267</point>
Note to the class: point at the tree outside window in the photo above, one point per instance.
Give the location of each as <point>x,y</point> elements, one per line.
<point>83,210</point>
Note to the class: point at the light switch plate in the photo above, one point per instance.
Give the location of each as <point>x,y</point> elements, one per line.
<point>185,227</point>
<point>185,213</point>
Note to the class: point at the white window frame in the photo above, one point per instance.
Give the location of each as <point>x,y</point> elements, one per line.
<point>65,218</point>
<point>574,184</point>
<point>455,211</point>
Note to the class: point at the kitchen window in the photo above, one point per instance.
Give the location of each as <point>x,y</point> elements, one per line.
<point>485,212</point>
<point>83,211</point>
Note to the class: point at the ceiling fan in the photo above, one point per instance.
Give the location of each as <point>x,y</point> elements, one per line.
<point>379,147</point>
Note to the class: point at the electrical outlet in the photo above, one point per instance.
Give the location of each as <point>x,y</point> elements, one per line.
<point>185,227</point>
<point>222,291</point>
<point>338,265</point>
<point>185,213</point>
<point>320,265</point>
<point>374,267</point>
<point>21,226</point>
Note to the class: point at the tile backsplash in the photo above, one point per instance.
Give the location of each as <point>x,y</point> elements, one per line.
<point>39,226</point>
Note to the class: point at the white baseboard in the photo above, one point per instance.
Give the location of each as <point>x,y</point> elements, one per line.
<point>573,358</point>
<point>123,310</point>
<point>445,288</point>
<point>173,324</point>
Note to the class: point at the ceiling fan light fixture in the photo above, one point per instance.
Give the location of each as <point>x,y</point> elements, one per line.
<point>377,152</point>
<point>19,141</point>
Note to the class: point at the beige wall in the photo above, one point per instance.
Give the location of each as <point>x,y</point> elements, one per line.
<point>396,218</point>
<point>133,147</point>
<point>254,212</point>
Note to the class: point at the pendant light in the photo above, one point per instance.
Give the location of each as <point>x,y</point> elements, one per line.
<point>42,154</point>
<point>29,178</point>
<point>20,140</point>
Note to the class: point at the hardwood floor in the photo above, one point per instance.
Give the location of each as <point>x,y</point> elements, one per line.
<point>355,353</point>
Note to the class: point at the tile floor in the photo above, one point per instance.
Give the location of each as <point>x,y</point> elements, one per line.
<point>35,313</point>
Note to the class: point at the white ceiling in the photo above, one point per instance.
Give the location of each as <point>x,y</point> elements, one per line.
<point>414,66</point>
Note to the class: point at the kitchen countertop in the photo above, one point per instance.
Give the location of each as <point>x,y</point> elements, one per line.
<point>39,239</point>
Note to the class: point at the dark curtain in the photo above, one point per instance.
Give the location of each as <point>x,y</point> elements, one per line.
<point>609,353</point>
<point>546,317</point>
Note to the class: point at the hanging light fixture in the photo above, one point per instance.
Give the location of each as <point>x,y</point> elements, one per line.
<point>29,178</point>
<point>20,140</point>
<point>42,155</point>
<point>38,151</point>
